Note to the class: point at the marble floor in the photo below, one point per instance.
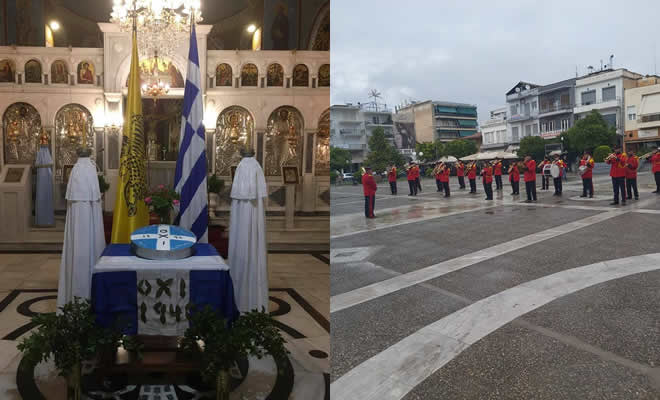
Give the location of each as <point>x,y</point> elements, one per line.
<point>300,302</point>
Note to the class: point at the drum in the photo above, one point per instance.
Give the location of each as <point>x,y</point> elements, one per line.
<point>546,170</point>
<point>582,170</point>
<point>554,170</point>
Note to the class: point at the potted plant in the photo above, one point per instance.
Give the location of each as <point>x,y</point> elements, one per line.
<point>70,337</point>
<point>161,202</point>
<point>217,345</point>
<point>214,187</point>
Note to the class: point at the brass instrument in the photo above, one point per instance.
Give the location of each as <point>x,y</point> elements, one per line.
<point>469,168</point>
<point>610,157</point>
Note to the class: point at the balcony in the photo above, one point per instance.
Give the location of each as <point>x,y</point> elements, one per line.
<point>648,121</point>
<point>351,132</point>
<point>584,107</point>
<point>352,146</point>
<point>552,134</point>
<point>522,117</point>
<point>556,109</point>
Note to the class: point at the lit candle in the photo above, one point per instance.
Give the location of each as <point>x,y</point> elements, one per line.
<point>123,357</point>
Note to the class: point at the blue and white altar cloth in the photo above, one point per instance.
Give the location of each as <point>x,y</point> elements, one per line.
<point>162,242</point>
<point>153,296</point>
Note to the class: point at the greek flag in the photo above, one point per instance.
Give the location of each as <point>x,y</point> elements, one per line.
<point>190,174</point>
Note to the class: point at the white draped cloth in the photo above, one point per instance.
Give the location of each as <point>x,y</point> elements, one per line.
<point>44,214</point>
<point>84,239</point>
<point>247,237</point>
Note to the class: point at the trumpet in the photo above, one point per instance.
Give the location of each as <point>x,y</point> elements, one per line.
<point>610,157</point>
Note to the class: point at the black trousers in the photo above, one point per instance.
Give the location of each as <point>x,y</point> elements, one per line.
<point>545,182</point>
<point>488,188</point>
<point>369,205</point>
<point>393,187</point>
<point>419,184</point>
<point>587,186</point>
<point>461,181</point>
<point>631,185</point>
<point>498,182</point>
<point>438,184</point>
<point>557,184</point>
<point>445,186</point>
<point>413,187</point>
<point>530,188</point>
<point>619,185</point>
<point>515,187</point>
<point>657,182</point>
<point>473,185</point>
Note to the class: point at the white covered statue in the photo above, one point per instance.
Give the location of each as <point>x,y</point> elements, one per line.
<point>247,237</point>
<point>84,239</point>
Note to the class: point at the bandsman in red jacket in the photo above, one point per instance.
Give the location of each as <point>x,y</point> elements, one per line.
<point>412,183</point>
<point>460,173</point>
<point>391,178</point>
<point>472,176</point>
<point>487,178</point>
<point>617,161</point>
<point>530,178</point>
<point>514,178</point>
<point>632,163</point>
<point>655,168</point>
<point>497,172</point>
<point>557,181</point>
<point>417,177</point>
<point>369,187</point>
<point>444,178</point>
<point>587,184</point>
<point>437,172</point>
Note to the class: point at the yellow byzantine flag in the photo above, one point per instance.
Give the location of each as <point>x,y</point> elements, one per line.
<point>131,211</point>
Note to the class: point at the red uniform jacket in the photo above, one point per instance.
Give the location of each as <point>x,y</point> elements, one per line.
<point>631,168</point>
<point>460,170</point>
<point>416,168</point>
<point>487,174</point>
<point>590,168</point>
<point>562,165</point>
<point>444,175</point>
<point>655,162</point>
<point>618,166</point>
<point>514,176</point>
<point>472,172</point>
<point>498,169</point>
<point>391,176</point>
<point>530,174</point>
<point>411,174</point>
<point>369,185</point>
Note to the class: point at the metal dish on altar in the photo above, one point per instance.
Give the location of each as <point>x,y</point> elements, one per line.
<point>163,242</point>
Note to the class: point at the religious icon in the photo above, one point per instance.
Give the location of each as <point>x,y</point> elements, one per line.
<point>159,69</point>
<point>290,175</point>
<point>300,75</point>
<point>249,75</point>
<point>322,159</point>
<point>22,125</point>
<point>86,73</point>
<point>280,29</point>
<point>33,71</point>
<point>234,126</point>
<point>7,70</point>
<point>59,73</point>
<point>223,75</point>
<point>275,75</point>
<point>324,75</point>
<point>322,38</point>
<point>283,139</point>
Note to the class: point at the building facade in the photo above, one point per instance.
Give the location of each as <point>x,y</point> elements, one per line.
<point>348,131</point>
<point>523,107</point>
<point>642,116</point>
<point>604,91</point>
<point>556,102</point>
<point>494,131</point>
<point>440,120</point>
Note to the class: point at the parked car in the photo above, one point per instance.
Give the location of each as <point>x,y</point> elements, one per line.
<point>347,176</point>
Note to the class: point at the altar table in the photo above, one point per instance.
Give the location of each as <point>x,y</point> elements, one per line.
<point>152,297</point>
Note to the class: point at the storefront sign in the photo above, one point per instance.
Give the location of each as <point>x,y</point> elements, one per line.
<point>647,133</point>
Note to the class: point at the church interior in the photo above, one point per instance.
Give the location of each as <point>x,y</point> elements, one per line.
<point>265,86</point>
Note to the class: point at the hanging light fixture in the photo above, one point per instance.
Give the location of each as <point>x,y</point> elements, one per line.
<point>161,24</point>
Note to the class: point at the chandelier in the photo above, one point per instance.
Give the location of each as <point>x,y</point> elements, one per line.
<point>161,24</point>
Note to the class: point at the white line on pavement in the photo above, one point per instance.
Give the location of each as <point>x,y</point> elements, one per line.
<point>394,372</point>
<point>378,289</point>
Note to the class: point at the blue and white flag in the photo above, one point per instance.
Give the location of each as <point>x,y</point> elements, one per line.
<point>190,174</point>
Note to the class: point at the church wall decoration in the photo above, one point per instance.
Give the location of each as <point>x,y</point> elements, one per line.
<point>322,157</point>
<point>321,41</point>
<point>284,140</point>
<point>163,69</point>
<point>324,75</point>
<point>86,73</point>
<point>233,126</point>
<point>59,72</point>
<point>223,75</point>
<point>301,75</point>
<point>7,71</point>
<point>249,75</point>
<point>281,29</point>
<point>275,75</point>
<point>73,129</point>
<point>290,175</point>
<point>33,71</point>
<point>21,125</point>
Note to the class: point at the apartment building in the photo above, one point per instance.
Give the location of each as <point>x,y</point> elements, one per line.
<point>642,113</point>
<point>494,131</point>
<point>439,120</point>
<point>523,107</point>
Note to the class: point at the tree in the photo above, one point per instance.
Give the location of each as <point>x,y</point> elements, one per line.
<point>533,146</point>
<point>339,158</point>
<point>601,152</point>
<point>588,133</point>
<point>460,148</point>
<point>381,152</point>
<point>431,151</point>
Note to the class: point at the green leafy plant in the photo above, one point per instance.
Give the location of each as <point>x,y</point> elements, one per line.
<point>70,337</point>
<point>340,159</point>
<point>333,176</point>
<point>215,184</point>
<point>601,153</point>
<point>103,185</point>
<point>381,152</point>
<point>133,345</point>
<point>161,201</point>
<point>252,334</point>
<point>533,146</point>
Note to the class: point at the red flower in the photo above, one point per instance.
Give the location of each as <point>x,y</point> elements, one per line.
<point>147,200</point>
<point>175,202</point>
<point>161,187</point>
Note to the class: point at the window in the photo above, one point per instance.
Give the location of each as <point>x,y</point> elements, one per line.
<point>514,134</point>
<point>610,119</point>
<point>514,109</point>
<point>609,93</point>
<point>533,106</point>
<point>535,128</point>
<point>544,127</point>
<point>588,97</point>
<point>632,113</point>
<point>528,130</point>
<point>565,100</point>
<point>551,126</point>
<point>526,108</point>
<point>564,124</point>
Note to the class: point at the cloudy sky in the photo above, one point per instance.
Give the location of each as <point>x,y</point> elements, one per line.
<point>474,51</point>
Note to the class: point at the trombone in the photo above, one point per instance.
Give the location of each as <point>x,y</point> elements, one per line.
<point>469,167</point>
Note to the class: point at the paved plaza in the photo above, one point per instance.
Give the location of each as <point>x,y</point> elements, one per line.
<point>463,298</point>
